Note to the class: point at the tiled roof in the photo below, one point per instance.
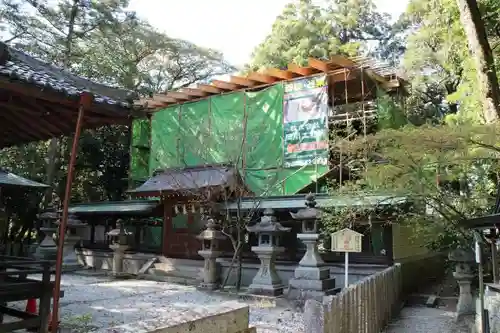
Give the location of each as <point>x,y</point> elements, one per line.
<point>19,66</point>
<point>190,179</point>
<point>10,179</point>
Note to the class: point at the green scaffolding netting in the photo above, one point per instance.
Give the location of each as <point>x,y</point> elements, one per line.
<point>240,128</point>
<point>227,115</point>
<point>139,150</point>
<point>165,136</point>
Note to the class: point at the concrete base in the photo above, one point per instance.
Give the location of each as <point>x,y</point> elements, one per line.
<point>311,282</point>
<point>192,270</point>
<point>311,289</point>
<point>266,290</point>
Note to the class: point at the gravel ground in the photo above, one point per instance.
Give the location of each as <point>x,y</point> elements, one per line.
<point>426,320</point>
<point>105,305</point>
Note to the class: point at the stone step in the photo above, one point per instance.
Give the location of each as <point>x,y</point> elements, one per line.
<point>185,271</point>
<point>161,276</point>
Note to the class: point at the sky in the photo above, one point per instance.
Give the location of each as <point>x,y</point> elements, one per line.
<point>233,27</point>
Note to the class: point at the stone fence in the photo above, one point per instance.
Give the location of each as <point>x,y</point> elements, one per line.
<point>363,307</point>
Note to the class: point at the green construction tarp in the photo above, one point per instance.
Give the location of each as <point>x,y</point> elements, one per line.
<point>140,150</point>
<point>240,128</point>
<point>165,137</point>
<point>227,115</point>
<point>264,128</point>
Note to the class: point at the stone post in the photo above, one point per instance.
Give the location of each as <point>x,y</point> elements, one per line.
<point>311,278</point>
<point>267,281</point>
<point>119,245</point>
<point>47,249</point>
<point>72,237</point>
<point>463,274</point>
<point>210,238</point>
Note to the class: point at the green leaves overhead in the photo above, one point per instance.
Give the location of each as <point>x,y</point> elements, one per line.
<point>305,29</point>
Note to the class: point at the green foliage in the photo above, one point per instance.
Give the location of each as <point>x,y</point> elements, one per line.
<point>78,35</point>
<point>305,29</point>
<point>449,173</point>
<point>441,72</point>
<point>79,324</point>
<point>389,113</point>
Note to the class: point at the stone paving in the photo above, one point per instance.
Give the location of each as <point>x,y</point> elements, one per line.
<point>426,320</point>
<point>105,305</point>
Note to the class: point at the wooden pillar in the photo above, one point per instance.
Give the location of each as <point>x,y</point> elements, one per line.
<point>167,225</point>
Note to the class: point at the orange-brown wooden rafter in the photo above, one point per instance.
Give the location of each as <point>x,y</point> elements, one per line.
<point>338,69</point>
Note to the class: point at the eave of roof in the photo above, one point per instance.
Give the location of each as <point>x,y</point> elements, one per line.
<point>10,179</point>
<point>126,207</point>
<point>482,222</point>
<point>19,66</point>
<point>323,201</point>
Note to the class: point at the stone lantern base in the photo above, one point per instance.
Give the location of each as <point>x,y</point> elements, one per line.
<point>118,254</point>
<point>47,249</point>
<point>266,281</point>
<point>311,279</point>
<point>210,271</point>
<point>311,282</point>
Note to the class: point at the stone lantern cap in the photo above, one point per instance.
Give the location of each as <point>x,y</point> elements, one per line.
<point>309,213</point>
<point>211,232</point>
<point>268,224</point>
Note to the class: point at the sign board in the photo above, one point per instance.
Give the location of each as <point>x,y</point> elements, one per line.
<point>305,108</point>
<point>346,240</point>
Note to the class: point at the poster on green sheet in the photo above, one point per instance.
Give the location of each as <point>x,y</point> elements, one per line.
<point>305,108</point>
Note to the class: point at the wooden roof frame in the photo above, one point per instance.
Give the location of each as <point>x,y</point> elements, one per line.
<point>338,68</point>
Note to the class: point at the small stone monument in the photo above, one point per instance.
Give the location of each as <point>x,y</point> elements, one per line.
<point>47,249</point>
<point>311,278</point>
<point>71,238</point>
<point>210,239</point>
<point>119,244</point>
<point>463,260</point>
<point>268,230</point>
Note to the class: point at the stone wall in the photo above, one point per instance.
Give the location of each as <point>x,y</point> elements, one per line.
<point>133,262</point>
<point>103,260</point>
<point>230,318</point>
<point>357,272</point>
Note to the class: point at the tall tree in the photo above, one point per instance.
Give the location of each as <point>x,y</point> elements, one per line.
<point>305,29</point>
<point>481,51</point>
<point>434,58</point>
<point>146,60</point>
<point>55,33</point>
<point>143,59</point>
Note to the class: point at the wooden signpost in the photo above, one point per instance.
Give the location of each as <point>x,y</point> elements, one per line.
<point>346,240</point>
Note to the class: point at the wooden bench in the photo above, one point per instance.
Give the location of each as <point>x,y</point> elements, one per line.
<point>15,285</point>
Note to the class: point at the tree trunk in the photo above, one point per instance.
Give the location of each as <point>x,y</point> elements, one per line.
<point>481,51</point>
<point>53,146</point>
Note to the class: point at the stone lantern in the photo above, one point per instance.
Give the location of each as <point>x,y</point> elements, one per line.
<point>210,239</point>
<point>47,249</point>
<point>268,231</point>
<point>119,244</point>
<point>71,238</point>
<point>311,277</point>
<point>463,260</point>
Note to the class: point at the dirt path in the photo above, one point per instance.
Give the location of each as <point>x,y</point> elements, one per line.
<point>426,320</point>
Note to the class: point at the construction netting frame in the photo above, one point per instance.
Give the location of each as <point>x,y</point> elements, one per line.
<point>277,137</point>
